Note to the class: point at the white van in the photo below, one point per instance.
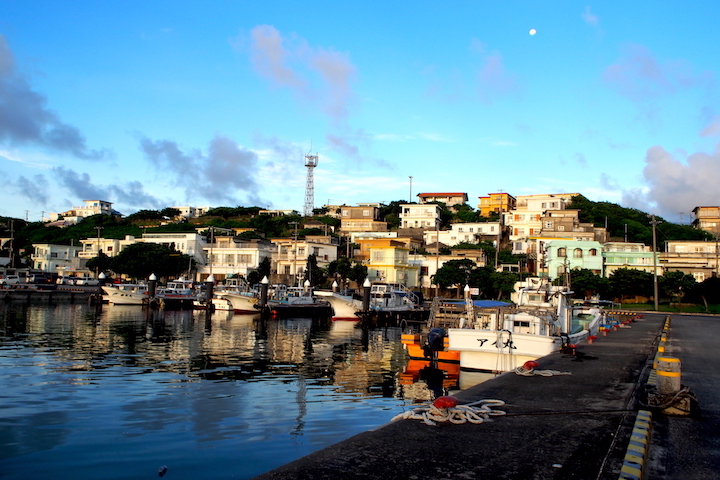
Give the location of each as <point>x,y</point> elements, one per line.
<point>9,280</point>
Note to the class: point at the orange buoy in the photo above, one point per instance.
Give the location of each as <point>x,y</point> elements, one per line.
<point>530,364</point>
<point>445,402</point>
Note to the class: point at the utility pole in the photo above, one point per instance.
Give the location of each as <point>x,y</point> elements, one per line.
<point>97,268</point>
<point>410,198</point>
<point>654,224</point>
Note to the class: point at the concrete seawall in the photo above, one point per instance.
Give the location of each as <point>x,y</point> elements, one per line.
<point>563,426</point>
<point>49,296</point>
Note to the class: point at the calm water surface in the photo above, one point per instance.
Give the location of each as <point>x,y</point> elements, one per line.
<point>118,392</point>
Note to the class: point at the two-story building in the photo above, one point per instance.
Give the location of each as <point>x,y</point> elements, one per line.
<point>425,217</point>
<point>562,256</point>
<point>52,258</point>
<point>449,199</point>
<point>496,203</point>
<point>362,218</point>
<point>229,255</point>
<point>465,233</point>
<point>291,256</point>
<point>389,262</point>
<point>698,258</point>
<point>88,209</point>
<point>187,211</point>
<point>617,255</point>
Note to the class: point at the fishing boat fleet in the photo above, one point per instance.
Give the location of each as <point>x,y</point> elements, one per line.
<point>480,335</point>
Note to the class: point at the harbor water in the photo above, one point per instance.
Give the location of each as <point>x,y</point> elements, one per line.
<point>117,392</point>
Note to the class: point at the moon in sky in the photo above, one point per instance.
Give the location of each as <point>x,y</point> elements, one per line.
<point>532,31</point>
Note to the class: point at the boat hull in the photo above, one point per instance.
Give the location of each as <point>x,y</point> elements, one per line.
<point>501,351</point>
<point>344,307</point>
<point>122,296</point>
<point>240,303</point>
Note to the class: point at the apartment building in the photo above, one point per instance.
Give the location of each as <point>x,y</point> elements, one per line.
<point>425,217</point>
<point>51,258</point>
<point>449,199</point>
<point>617,255</point>
<point>362,218</point>
<point>708,219</point>
<point>698,258</point>
<point>496,203</point>
<point>465,233</point>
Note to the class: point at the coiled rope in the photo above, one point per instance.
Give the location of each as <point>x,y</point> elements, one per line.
<point>430,414</point>
<point>528,370</point>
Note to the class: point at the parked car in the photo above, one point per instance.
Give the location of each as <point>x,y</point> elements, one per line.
<point>88,281</point>
<point>39,278</point>
<point>9,280</point>
<point>65,281</point>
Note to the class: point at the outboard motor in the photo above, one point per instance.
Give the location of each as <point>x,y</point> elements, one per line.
<point>435,342</point>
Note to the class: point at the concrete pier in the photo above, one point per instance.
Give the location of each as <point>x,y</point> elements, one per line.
<point>563,426</point>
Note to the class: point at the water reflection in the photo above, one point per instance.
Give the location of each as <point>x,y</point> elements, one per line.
<point>118,391</point>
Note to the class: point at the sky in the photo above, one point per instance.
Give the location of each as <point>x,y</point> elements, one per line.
<point>172,103</point>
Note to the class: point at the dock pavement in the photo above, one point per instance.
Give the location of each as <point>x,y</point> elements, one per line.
<point>689,446</point>
<point>574,426</point>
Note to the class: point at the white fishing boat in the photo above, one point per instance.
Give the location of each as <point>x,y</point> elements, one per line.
<point>297,301</point>
<point>126,293</point>
<point>542,321</point>
<point>179,289</point>
<point>345,307</point>
<point>391,297</point>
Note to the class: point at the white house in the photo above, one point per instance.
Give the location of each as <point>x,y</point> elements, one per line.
<point>426,217</point>
<point>52,258</point>
<point>231,256</point>
<point>464,233</point>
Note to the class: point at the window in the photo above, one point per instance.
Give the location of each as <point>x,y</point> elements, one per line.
<point>548,224</point>
<point>577,253</point>
<point>366,213</point>
<point>593,252</point>
<point>562,252</point>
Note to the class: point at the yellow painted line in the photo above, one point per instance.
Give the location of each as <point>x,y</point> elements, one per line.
<point>668,374</point>
<point>669,359</point>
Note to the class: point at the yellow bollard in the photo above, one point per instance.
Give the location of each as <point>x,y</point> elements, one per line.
<point>669,376</point>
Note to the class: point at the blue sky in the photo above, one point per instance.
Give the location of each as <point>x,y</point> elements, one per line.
<point>162,103</point>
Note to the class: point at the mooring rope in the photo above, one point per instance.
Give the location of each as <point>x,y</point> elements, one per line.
<point>430,414</point>
<point>543,373</point>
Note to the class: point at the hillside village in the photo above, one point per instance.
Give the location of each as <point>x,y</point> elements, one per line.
<point>537,235</point>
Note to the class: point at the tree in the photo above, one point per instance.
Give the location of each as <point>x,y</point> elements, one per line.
<point>341,267</point>
<point>676,284</point>
<point>629,282</point>
<point>504,283</point>
<point>170,212</point>
<point>140,260</point>
<point>358,273</point>
<point>313,273</point>
<point>101,263</point>
<point>585,284</point>
<point>453,272</point>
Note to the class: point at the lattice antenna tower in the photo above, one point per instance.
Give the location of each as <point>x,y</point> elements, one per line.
<point>311,162</point>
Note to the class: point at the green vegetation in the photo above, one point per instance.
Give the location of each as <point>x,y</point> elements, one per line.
<point>140,260</point>
<point>638,224</point>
